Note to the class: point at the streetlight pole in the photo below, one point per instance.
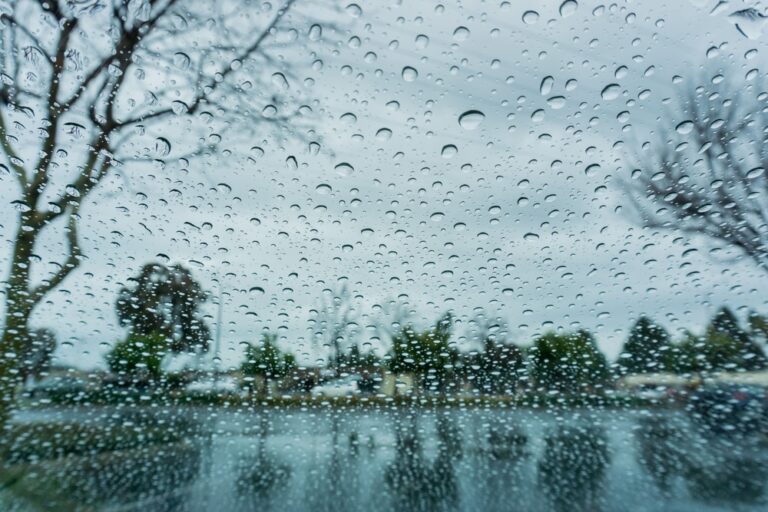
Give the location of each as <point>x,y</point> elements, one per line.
<point>217,342</point>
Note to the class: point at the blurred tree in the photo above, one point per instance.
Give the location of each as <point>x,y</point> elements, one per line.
<point>687,356</point>
<point>495,369</point>
<point>91,86</point>
<point>266,361</point>
<point>165,300</point>
<point>724,346</point>
<point>646,349</point>
<point>138,358</point>
<point>705,174</point>
<point>728,346</point>
<point>568,363</point>
<point>428,354</point>
<point>335,325</point>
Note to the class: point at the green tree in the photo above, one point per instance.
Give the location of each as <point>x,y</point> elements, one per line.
<point>266,361</point>
<point>568,363</point>
<point>687,356</point>
<point>729,347</point>
<point>165,300</point>
<point>428,354</point>
<point>496,368</point>
<point>647,348</point>
<point>138,358</point>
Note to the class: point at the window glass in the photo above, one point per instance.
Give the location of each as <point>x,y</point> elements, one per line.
<point>391,255</point>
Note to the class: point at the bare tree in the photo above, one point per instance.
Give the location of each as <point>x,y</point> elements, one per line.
<point>90,86</point>
<point>705,173</point>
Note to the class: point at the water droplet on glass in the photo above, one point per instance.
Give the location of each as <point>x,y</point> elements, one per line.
<point>685,127</point>
<point>344,169</point>
<point>448,151</point>
<point>611,92</point>
<point>354,10</point>
<point>162,146</point>
<point>556,102</point>
<point>530,17</point>
<point>546,85</point>
<point>460,34</point>
<point>384,134</point>
<point>410,74</point>
<point>471,119</point>
<point>323,188</point>
<point>568,8</point>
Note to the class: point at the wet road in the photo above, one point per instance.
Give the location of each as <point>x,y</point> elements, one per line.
<point>449,459</point>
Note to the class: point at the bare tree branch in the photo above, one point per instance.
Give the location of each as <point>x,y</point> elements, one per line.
<point>718,189</point>
<point>70,264</point>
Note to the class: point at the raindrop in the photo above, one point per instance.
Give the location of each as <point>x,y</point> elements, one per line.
<point>384,134</point>
<point>422,42</point>
<point>344,169</point>
<point>460,34</point>
<point>315,32</point>
<point>471,119</point>
<point>556,102</point>
<point>611,92</point>
<point>279,80</point>
<point>684,128</point>
<point>256,290</point>
<point>162,146</point>
<point>449,151</point>
<point>530,17</point>
<point>354,10</point>
<point>531,236</point>
<point>323,189</point>
<point>410,74</point>
<point>181,60</point>
<point>546,85</point>
<point>568,8</point>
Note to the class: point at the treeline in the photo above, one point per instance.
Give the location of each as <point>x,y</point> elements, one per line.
<point>561,362</point>
<point>161,309</point>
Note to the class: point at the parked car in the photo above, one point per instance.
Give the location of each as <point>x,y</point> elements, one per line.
<point>59,385</point>
<point>345,386</point>
<point>724,408</point>
<point>214,387</point>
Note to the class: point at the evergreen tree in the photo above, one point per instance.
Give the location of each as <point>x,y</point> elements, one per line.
<point>729,347</point>
<point>646,349</point>
<point>266,360</point>
<point>568,362</point>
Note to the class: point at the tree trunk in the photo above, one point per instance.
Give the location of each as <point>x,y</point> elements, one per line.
<point>18,309</point>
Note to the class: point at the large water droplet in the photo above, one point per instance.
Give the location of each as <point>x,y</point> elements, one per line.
<point>461,34</point>
<point>611,92</point>
<point>344,169</point>
<point>471,119</point>
<point>530,17</point>
<point>448,151</point>
<point>410,74</point>
<point>568,8</point>
<point>685,127</point>
<point>546,85</point>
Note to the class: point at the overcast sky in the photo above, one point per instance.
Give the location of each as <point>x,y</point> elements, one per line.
<point>501,216</point>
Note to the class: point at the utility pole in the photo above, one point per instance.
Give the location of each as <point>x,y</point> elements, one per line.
<point>217,343</point>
